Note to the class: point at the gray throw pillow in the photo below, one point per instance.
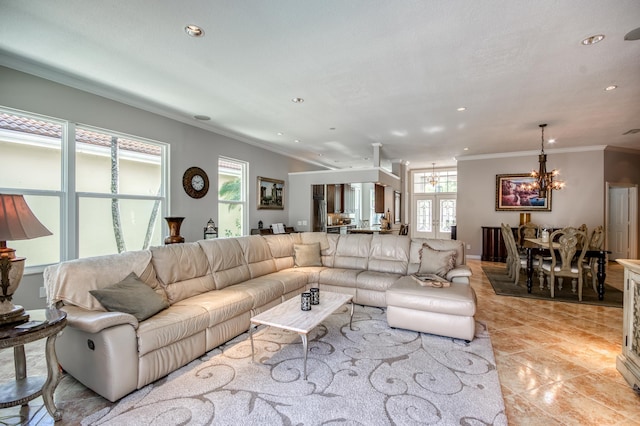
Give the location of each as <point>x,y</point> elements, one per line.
<point>131,296</point>
<point>437,262</point>
<point>307,255</point>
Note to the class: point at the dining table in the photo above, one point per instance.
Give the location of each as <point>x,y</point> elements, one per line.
<point>536,246</point>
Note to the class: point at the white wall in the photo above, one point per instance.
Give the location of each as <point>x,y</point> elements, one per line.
<point>190,146</point>
<point>581,201</point>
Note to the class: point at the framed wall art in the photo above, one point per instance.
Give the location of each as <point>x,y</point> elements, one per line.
<point>397,213</point>
<point>270,193</point>
<point>514,192</point>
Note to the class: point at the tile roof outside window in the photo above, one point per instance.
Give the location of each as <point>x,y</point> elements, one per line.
<point>43,128</point>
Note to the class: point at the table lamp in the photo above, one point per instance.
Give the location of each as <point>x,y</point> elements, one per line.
<point>17,222</point>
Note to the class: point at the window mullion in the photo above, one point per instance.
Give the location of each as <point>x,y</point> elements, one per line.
<point>69,216</point>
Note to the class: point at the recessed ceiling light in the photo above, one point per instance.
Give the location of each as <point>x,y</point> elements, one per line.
<point>610,88</point>
<point>466,148</point>
<point>332,128</point>
<point>593,39</point>
<point>279,133</point>
<point>194,31</point>
<point>297,140</point>
<point>551,141</point>
<point>202,117</point>
<point>297,100</point>
<point>320,155</point>
<point>462,109</point>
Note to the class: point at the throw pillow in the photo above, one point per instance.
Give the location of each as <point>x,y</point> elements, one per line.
<point>307,255</point>
<point>437,262</point>
<point>131,296</point>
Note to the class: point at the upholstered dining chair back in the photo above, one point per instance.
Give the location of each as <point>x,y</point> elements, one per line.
<point>528,230</point>
<point>514,259</point>
<point>566,258</point>
<point>404,229</point>
<point>583,228</point>
<point>597,238</point>
<point>591,265</point>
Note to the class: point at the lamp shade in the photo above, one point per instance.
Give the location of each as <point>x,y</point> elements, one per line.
<point>17,221</point>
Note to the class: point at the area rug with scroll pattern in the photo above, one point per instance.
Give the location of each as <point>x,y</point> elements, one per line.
<point>371,375</point>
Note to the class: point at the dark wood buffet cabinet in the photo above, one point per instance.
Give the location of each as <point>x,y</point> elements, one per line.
<point>493,248</point>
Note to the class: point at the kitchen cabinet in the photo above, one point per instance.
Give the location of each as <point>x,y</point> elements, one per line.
<point>379,202</point>
<point>318,192</point>
<point>335,198</point>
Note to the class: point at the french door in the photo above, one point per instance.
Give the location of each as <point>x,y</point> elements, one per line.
<point>434,215</point>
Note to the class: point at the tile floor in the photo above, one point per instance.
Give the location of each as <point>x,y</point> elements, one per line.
<point>556,363</point>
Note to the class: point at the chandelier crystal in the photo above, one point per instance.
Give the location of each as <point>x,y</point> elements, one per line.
<point>545,181</point>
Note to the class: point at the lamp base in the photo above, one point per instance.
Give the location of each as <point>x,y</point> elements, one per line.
<point>15,315</point>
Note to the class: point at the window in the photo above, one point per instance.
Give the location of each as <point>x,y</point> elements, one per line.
<point>97,191</point>
<point>31,149</point>
<point>232,197</point>
<point>446,181</point>
<point>119,189</point>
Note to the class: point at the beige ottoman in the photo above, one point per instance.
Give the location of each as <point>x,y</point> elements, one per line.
<point>446,311</point>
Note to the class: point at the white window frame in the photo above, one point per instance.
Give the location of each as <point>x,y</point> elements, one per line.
<point>244,191</point>
<point>69,214</point>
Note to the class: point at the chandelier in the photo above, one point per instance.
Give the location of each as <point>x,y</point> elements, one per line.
<point>545,181</point>
<point>433,180</point>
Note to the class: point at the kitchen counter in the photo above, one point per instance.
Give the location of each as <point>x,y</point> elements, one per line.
<point>340,229</point>
<point>372,230</point>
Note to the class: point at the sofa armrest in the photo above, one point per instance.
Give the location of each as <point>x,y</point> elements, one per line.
<point>459,271</point>
<point>95,321</point>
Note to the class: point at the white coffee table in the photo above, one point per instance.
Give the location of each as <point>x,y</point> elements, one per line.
<point>289,316</point>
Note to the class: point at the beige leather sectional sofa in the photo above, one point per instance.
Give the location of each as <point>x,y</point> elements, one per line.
<point>213,288</point>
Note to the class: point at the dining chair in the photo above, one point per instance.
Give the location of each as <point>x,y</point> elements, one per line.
<point>404,229</point>
<point>567,257</point>
<point>528,230</point>
<point>591,265</point>
<point>515,260</point>
<point>584,229</point>
<point>505,230</point>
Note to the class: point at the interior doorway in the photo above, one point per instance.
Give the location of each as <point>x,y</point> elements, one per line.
<point>621,218</point>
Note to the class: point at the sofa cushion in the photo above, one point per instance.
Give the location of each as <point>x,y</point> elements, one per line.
<point>281,246</point>
<point>353,251</point>
<point>458,299</point>
<point>257,255</point>
<point>171,325</point>
<point>436,244</point>
<point>339,277</point>
<point>328,245</point>
<point>263,290</point>
<point>307,254</point>
<point>376,281</point>
<point>389,253</point>
<point>183,269</point>
<point>291,279</point>
<point>221,305</point>
<point>226,260</point>
<point>437,262</point>
<point>131,296</point>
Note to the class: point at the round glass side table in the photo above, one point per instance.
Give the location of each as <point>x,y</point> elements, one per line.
<point>42,323</point>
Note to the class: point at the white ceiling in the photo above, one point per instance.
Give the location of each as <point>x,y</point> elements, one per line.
<point>389,72</point>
